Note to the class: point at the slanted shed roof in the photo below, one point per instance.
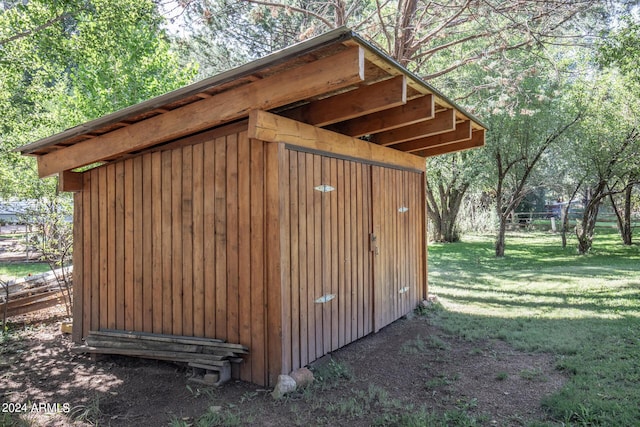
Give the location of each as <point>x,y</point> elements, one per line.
<point>337,81</point>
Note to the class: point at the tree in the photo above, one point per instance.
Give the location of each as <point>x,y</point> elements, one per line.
<point>621,48</point>
<point>63,63</point>
<point>623,213</point>
<point>621,51</point>
<point>449,178</point>
<point>52,219</point>
<point>432,39</point>
<point>463,45</point>
<point>607,147</point>
<point>520,140</point>
<point>66,62</point>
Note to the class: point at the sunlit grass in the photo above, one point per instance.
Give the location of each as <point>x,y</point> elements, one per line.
<point>541,297</point>
<point>9,270</point>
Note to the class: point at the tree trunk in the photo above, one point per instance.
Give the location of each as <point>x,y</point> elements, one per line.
<point>444,214</point>
<point>565,224</point>
<point>565,214</point>
<point>624,218</point>
<point>585,229</point>
<point>502,231</point>
<point>627,233</point>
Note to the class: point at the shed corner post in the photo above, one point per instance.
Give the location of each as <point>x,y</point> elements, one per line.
<point>77,299</point>
<point>276,257</point>
<point>425,236</point>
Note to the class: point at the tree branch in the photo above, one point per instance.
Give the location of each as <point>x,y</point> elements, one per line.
<point>319,17</point>
<point>473,59</point>
<point>40,27</point>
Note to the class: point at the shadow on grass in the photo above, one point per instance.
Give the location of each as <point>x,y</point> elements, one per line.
<point>585,310</point>
<point>601,358</point>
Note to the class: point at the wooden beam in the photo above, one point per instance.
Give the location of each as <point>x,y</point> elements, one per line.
<point>477,140</point>
<point>273,128</point>
<point>312,79</point>
<point>70,181</point>
<point>355,103</point>
<point>462,133</point>
<point>414,111</point>
<point>444,121</point>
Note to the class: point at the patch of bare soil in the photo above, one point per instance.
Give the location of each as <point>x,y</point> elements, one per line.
<point>408,366</point>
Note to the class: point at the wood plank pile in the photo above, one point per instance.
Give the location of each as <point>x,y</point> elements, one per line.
<point>32,293</point>
<point>212,356</point>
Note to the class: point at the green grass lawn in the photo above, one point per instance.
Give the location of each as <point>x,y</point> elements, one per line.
<point>21,269</point>
<point>583,309</point>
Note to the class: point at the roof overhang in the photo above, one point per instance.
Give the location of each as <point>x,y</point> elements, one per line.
<point>337,81</point>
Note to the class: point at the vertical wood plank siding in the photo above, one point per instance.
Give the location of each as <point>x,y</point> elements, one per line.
<point>398,224</point>
<point>330,254</point>
<point>226,237</point>
<point>174,242</point>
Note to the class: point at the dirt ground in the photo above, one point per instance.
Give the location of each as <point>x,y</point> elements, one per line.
<point>408,366</point>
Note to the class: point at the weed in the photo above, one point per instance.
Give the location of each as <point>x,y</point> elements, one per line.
<point>248,396</point>
<point>176,421</point>
<point>413,346</point>
<point>501,376</point>
<point>13,420</point>
<point>465,405</point>
<point>534,374</point>
<point>438,343</point>
<point>429,309</point>
<point>208,392</point>
<point>329,374</point>
<point>89,413</point>
<point>422,417</point>
<point>440,381</point>
<point>353,407</point>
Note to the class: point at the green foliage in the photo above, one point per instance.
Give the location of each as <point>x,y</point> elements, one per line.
<point>584,310</point>
<point>64,63</point>
<point>501,376</point>
<point>621,48</point>
<point>329,374</point>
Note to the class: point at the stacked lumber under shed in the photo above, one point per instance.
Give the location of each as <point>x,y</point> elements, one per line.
<point>33,293</point>
<point>207,354</point>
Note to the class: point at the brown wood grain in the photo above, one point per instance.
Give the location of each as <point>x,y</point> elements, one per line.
<point>355,103</point>
<point>414,111</point>
<point>244,247</point>
<point>340,70</point>
<point>187,241</point>
<point>443,121</point>
<point>198,241</point>
<point>273,128</point>
<point>157,225</point>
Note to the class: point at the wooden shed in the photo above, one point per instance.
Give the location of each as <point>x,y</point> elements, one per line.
<point>279,205</point>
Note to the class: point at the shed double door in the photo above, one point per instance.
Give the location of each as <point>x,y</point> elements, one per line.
<point>350,251</point>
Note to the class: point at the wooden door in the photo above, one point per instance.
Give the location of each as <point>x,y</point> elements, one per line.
<point>328,303</point>
<point>396,243</point>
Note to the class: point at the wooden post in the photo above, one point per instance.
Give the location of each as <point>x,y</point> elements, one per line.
<point>425,237</point>
<point>276,238</point>
<point>78,283</point>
